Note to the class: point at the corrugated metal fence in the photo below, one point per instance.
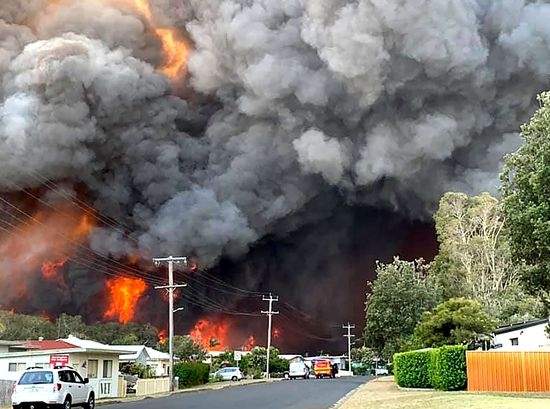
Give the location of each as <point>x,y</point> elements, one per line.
<point>508,371</point>
<point>5,392</point>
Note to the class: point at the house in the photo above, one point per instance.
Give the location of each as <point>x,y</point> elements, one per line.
<point>93,360</point>
<point>529,335</point>
<point>158,361</point>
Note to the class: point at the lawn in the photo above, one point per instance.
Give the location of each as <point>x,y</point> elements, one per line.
<point>384,394</point>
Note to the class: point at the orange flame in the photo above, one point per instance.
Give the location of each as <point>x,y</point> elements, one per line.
<point>163,336</point>
<point>50,269</point>
<point>174,47</point>
<point>250,343</point>
<point>211,335</point>
<point>124,294</point>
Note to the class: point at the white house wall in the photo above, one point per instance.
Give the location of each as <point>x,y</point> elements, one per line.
<point>528,338</point>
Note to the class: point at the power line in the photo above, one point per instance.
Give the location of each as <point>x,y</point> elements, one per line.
<point>123,267</point>
<point>269,314</point>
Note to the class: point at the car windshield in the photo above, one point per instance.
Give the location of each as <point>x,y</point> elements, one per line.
<point>36,378</point>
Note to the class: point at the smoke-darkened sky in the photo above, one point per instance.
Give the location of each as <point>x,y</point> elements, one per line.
<point>289,121</point>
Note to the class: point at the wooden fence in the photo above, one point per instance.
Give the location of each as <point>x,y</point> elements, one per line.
<point>496,371</point>
<point>152,386</point>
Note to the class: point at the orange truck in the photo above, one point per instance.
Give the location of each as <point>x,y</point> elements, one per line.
<point>322,368</point>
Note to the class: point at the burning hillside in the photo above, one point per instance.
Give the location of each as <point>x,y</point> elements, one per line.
<point>285,145</point>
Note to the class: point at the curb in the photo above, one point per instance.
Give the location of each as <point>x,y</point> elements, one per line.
<point>114,401</point>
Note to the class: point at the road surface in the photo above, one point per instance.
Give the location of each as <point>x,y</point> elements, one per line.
<point>298,394</point>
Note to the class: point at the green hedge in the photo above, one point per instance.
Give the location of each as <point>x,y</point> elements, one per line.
<point>191,373</point>
<point>451,368</point>
<point>440,368</point>
<point>411,369</point>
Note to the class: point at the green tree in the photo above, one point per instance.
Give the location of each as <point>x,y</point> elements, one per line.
<point>395,303</point>
<point>257,360</point>
<point>25,327</point>
<point>456,321</point>
<point>185,348</point>
<point>475,260</point>
<point>70,325</point>
<point>139,369</point>
<point>526,195</point>
<point>363,355</point>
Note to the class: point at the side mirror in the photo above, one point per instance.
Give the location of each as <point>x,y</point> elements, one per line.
<point>86,380</point>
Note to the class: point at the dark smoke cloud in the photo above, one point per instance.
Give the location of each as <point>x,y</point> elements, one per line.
<point>387,102</point>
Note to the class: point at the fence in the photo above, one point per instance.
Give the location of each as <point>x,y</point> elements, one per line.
<point>5,392</point>
<point>122,388</point>
<point>152,386</point>
<point>508,371</point>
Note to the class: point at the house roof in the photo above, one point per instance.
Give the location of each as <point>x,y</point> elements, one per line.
<point>47,345</point>
<point>94,346</point>
<point>521,325</point>
<point>137,350</point>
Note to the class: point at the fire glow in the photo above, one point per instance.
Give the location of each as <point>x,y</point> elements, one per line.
<point>50,269</point>
<point>211,335</point>
<point>123,294</point>
<point>52,234</point>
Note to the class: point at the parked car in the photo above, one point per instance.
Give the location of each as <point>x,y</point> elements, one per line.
<point>297,370</point>
<point>381,371</point>
<point>230,373</point>
<point>61,387</point>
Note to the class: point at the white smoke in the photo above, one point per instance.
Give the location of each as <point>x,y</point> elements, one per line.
<point>390,102</point>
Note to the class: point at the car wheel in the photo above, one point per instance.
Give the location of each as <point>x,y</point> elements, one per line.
<point>91,402</point>
<point>67,403</point>
<point>234,378</point>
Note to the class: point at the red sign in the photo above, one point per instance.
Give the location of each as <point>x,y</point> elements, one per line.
<point>59,360</point>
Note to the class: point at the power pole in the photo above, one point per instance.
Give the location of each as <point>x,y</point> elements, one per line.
<point>349,336</point>
<point>269,313</point>
<point>170,287</point>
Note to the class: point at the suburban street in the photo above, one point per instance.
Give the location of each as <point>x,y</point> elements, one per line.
<point>299,394</point>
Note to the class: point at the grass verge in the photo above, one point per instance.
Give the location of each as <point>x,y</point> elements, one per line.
<point>383,393</point>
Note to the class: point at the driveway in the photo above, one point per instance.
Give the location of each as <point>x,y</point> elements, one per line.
<point>298,394</point>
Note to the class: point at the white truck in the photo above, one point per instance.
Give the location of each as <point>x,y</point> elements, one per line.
<point>296,370</point>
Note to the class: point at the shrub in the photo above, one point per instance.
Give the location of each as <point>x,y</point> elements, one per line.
<point>411,368</point>
<point>191,373</point>
<point>451,368</point>
<point>441,368</point>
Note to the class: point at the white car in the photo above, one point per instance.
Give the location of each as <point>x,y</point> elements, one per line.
<point>231,373</point>
<point>61,387</point>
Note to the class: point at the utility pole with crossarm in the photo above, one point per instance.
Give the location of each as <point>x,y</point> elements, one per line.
<point>170,287</point>
<point>269,314</point>
<point>349,336</point>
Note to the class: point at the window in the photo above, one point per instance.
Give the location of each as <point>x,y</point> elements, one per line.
<point>64,377</point>
<point>107,369</point>
<point>17,366</point>
<point>514,341</point>
<point>36,378</point>
<point>77,377</point>
<point>92,368</point>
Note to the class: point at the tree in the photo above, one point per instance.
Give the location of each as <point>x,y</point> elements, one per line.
<point>70,325</point>
<point>363,356</point>
<point>526,195</point>
<point>395,303</point>
<point>139,369</point>
<point>456,321</point>
<point>257,360</point>
<point>185,348</point>
<point>475,260</point>
<point>25,327</point>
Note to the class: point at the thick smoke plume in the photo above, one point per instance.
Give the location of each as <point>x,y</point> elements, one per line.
<point>283,104</point>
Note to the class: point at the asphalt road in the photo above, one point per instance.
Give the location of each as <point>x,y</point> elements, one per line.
<point>297,394</point>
